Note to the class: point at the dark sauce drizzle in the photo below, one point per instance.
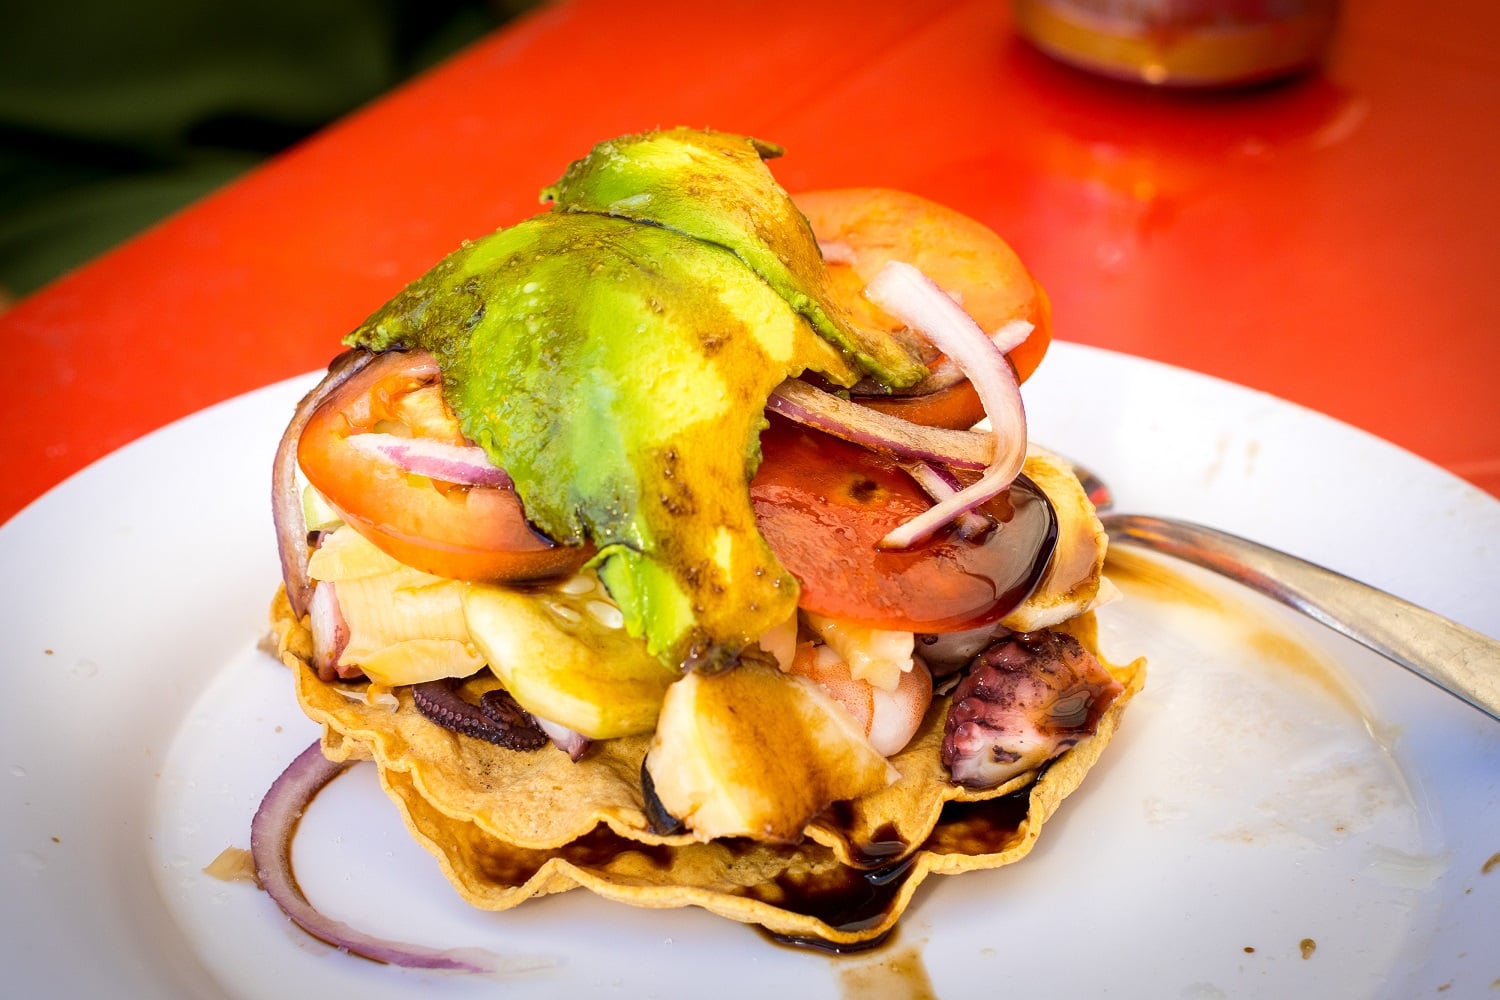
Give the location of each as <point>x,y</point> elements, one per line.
<point>856,898</point>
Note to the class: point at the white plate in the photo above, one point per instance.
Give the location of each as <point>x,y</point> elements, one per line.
<point>1283,814</point>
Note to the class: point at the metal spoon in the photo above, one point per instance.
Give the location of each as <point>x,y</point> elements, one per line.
<point>1456,658</point>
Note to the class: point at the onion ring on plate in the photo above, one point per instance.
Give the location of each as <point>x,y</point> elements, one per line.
<point>271,846</point>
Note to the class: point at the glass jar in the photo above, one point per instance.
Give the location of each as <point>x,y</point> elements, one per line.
<point>1182,43</point>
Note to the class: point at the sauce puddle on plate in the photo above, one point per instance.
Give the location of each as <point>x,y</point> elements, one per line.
<point>896,972</point>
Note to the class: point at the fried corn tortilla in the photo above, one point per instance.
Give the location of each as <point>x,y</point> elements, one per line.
<point>508,825</point>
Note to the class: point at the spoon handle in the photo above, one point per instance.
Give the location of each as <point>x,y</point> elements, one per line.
<point>1455,658</point>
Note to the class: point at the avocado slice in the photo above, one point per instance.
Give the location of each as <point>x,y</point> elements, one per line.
<point>619,372</point>
<point>715,186</point>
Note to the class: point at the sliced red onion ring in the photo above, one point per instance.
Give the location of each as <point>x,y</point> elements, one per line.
<point>569,741</point>
<point>946,372</point>
<point>916,300</point>
<point>467,465</point>
<point>1011,335</point>
<point>286,503</point>
<point>940,484</point>
<point>271,846</point>
<point>836,251</point>
<point>824,411</point>
<point>330,631</point>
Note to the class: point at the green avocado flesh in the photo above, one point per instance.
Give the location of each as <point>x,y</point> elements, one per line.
<point>714,186</point>
<point>618,370</point>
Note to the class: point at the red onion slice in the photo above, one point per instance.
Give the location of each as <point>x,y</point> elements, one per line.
<point>330,631</point>
<point>286,503</point>
<point>271,835</point>
<point>467,465</point>
<point>836,251</point>
<point>805,404</point>
<point>946,372</point>
<point>940,484</point>
<point>1011,335</point>
<point>916,300</point>
<point>567,740</point>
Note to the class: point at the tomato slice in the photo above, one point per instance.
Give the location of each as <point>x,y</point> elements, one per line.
<point>460,532</point>
<point>957,407</point>
<point>873,226</point>
<point>823,504</point>
<point>965,257</point>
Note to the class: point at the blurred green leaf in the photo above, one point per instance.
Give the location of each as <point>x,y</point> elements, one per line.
<point>113,115</point>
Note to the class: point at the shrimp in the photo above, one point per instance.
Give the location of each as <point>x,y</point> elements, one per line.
<point>889,718</point>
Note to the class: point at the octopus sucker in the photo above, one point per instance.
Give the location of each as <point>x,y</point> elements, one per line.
<point>1027,698</point>
<point>497,719</point>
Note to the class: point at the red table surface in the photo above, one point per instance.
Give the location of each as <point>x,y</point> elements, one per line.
<point>1332,241</point>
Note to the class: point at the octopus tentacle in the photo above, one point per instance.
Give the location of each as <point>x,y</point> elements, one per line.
<point>514,730</point>
<point>504,711</point>
<point>1023,701</point>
